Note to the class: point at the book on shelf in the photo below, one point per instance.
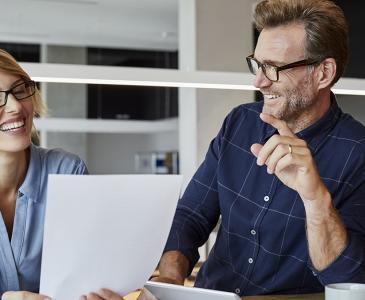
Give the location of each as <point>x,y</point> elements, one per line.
<point>157,162</point>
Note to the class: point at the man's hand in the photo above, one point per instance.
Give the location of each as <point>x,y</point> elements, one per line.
<point>173,268</point>
<point>289,158</point>
<point>23,295</point>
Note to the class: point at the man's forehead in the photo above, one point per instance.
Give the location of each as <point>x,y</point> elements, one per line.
<point>281,44</point>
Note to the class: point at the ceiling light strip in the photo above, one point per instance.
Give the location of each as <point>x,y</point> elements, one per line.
<point>86,74</point>
<point>146,83</point>
<point>88,2</point>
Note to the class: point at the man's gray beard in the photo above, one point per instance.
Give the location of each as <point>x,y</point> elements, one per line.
<point>299,101</point>
<point>294,108</point>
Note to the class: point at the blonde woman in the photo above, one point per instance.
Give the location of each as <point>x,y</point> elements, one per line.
<point>24,170</point>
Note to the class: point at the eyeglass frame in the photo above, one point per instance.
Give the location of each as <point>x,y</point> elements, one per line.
<point>10,91</point>
<point>299,63</point>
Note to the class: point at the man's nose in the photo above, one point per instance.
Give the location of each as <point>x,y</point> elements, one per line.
<point>261,80</point>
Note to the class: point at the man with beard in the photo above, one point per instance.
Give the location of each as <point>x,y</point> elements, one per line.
<point>286,176</point>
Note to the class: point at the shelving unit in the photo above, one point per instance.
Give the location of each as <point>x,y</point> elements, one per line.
<point>105,126</point>
<point>188,81</point>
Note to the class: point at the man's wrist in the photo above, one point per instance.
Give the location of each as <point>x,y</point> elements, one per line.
<point>326,233</point>
<point>166,279</point>
<point>319,209</point>
<point>173,267</point>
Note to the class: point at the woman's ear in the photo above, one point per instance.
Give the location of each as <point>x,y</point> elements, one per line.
<point>326,72</point>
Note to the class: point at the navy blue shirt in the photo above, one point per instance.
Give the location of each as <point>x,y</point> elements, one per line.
<point>261,245</point>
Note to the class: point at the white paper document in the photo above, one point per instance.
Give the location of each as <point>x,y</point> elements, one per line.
<point>105,231</point>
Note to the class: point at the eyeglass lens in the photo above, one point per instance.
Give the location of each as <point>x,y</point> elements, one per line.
<point>269,71</point>
<point>20,92</point>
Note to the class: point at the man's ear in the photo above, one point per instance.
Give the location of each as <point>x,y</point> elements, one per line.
<point>326,72</point>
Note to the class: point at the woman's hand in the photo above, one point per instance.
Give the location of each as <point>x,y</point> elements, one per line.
<point>102,294</point>
<point>23,295</point>
<point>105,294</point>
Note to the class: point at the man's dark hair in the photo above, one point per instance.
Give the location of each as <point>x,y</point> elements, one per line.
<point>325,25</point>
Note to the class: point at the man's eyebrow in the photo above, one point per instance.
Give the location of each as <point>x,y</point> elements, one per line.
<point>275,63</point>
<point>270,62</point>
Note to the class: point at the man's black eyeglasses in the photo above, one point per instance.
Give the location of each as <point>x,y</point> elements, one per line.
<point>272,72</point>
<point>20,91</point>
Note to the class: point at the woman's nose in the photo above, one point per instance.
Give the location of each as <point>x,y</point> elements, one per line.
<point>12,104</point>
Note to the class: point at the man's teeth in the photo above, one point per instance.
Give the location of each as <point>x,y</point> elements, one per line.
<point>272,96</point>
<point>11,126</point>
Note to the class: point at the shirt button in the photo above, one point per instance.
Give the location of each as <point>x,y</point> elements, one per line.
<point>250,260</point>
<point>237,291</point>
<point>266,198</point>
<point>253,232</point>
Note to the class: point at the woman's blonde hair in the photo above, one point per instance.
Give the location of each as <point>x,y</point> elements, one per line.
<point>10,65</point>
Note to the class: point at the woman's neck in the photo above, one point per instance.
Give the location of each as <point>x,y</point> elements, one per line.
<point>13,168</point>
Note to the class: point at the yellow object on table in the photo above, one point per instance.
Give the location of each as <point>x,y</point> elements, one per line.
<point>132,296</point>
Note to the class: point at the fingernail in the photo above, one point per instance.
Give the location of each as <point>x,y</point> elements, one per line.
<point>269,171</point>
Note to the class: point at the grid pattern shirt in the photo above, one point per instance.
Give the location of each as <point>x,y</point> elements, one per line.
<point>261,245</point>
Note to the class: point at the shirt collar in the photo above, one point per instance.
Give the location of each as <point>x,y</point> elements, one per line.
<point>32,182</point>
<point>314,134</point>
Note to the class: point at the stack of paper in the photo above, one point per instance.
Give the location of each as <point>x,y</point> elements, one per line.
<point>105,231</point>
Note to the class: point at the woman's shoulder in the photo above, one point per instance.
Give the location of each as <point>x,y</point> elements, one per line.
<point>58,160</point>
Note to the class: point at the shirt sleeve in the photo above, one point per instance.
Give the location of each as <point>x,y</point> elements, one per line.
<point>81,168</point>
<point>197,212</point>
<point>349,266</point>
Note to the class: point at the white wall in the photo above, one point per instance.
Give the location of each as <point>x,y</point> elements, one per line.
<point>354,105</point>
<point>66,100</point>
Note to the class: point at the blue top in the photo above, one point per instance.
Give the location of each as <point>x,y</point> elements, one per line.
<point>20,259</point>
<point>261,245</point>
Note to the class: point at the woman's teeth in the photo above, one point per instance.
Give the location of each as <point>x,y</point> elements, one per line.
<point>11,126</point>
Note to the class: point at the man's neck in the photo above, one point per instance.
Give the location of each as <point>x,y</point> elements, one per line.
<point>313,113</point>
